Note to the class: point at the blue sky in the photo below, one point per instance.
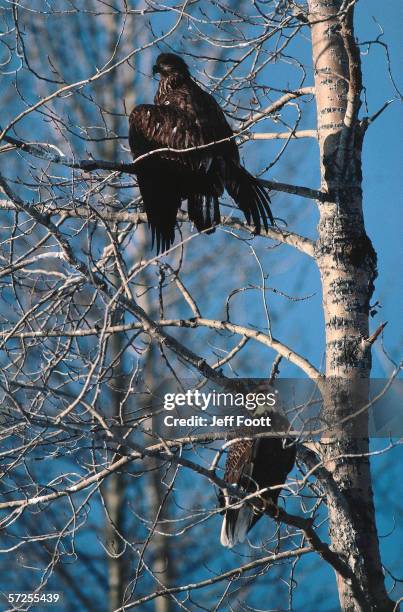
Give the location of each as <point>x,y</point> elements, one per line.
<point>382,166</point>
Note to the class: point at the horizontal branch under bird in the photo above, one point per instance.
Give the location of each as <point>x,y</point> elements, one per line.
<point>44,151</point>
<point>230,575</point>
<point>303,244</point>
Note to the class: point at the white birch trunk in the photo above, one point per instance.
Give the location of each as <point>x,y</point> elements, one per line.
<point>347,264</point>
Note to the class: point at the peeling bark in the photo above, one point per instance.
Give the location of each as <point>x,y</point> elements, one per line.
<point>347,264</point>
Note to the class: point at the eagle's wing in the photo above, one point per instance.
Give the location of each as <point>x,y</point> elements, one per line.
<point>239,464</point>
<point>164,127</point>
<point>238,516</point>
<point>243,188</point>
<point>167,177</point>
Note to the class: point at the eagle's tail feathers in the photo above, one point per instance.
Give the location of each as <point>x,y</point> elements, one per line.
<point>236,524</point>
<point>250,196</point>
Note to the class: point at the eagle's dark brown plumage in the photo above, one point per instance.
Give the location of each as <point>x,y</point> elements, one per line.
<point>253,465</point>
<point>184,116</point>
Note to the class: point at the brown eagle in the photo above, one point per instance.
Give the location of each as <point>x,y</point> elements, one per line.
<point>184,116</point>
<point>253,465</point>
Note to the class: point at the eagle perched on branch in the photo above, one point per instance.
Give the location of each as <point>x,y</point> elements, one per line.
<point>183,117</point>
<point>252,465</point>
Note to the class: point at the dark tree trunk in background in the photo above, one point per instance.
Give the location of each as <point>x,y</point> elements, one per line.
<point>347,264</point>
<point>114,489</point>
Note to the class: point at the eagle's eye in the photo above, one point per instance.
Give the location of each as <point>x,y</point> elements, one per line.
<point>161,69</point>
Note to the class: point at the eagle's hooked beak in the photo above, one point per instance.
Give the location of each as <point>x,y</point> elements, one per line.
<point>155,69</point>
